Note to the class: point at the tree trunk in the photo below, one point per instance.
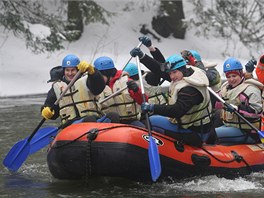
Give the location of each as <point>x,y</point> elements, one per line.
<point>75,22</point>
<point>169,20</point>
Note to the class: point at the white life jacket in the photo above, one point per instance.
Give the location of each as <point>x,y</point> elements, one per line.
<point>234,96</point>
<point>199,114</point>
<point>127,107</point>
<point>78,100</point>
<point>154,93</point>
<point>109,105</point>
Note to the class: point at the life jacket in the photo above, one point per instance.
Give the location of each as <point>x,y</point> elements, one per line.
<point>155,94</point>
<point>127,107</point>
<point>216,83</point>
<point>200,114</point>
<point>123,104</point>
<point>217,87</point>
<point>109,105</point>
<point>78,100</point>
<point>237,96</point>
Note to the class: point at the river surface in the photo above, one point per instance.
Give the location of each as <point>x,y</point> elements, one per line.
<point>19,116</point>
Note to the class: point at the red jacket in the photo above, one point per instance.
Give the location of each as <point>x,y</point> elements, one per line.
<point>260,74</point>
<point>260,70</point>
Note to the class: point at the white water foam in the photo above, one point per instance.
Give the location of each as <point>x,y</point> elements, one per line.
<point>216,184</point>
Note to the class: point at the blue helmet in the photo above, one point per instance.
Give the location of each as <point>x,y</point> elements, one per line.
<point>174,62</point>
<point>131,69</point>
<point>70,61</point>
<point>196,55</point>
<point>104,63</point>
<point>232,64</point>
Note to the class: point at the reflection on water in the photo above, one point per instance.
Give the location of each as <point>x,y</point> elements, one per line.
<point>19,116</point>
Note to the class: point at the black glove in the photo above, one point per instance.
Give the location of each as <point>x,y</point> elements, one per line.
<point>145,41</point>
<point>185,54</point>
<point>137,52</point>
<point>250,66</point>
<point>146,107</point>
<point>231,108</point>
<point>132,85</point>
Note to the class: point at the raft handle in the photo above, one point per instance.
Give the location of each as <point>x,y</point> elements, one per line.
<point>92,134</point>
<point>237,157</point>
<point>179,146</point>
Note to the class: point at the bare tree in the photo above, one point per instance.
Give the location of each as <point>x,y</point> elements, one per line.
<point>228,18</point>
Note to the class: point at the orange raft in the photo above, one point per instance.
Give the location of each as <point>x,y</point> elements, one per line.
<point>116,150</point>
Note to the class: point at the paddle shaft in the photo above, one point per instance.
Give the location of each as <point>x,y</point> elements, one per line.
<point>153,152</point>
<point>19,152</point>
<point>56,103</point>
<point>68,87</point>
<point>143,93</point>
<point>139,45</point>
<point>235,111</point>
<point>124,88</point>
<point>112,95</point>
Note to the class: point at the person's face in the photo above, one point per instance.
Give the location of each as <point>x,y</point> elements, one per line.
<point>105,78</point>
<point>233,79</point>
<point>175,75</point>
<point>70,72</point>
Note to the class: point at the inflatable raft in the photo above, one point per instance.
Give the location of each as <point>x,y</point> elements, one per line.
<point>116,150</point>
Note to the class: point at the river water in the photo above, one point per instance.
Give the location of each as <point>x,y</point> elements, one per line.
<point>19,116</point>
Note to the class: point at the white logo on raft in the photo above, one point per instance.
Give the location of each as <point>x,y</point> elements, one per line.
<point>157,141</point>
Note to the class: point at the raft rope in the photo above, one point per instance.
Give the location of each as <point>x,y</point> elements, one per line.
<point>237,158</point>
<point>91,135</point>
<point>86,133</point>
<point>88,165</point>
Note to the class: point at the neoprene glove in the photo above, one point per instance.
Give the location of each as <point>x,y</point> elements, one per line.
<point>186,54</point>
<point>250,66</point>
<point>190,60</point>
<point>84,66</point>
<point>47,113</point>
<point>145,41</point>
<point>231,108</point>
<point>137,52</point>
<point>146,107</point>
<point>132,85</point>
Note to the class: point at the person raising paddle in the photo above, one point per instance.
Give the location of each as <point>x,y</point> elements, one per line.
<point>150,82</point>
<point>187,117</point>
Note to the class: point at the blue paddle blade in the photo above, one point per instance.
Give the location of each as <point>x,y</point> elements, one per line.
<point>17,155</point>
<point>19,152</point>
<point>261,136</point>
<point>154,160</point>
<point>42,138</point>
